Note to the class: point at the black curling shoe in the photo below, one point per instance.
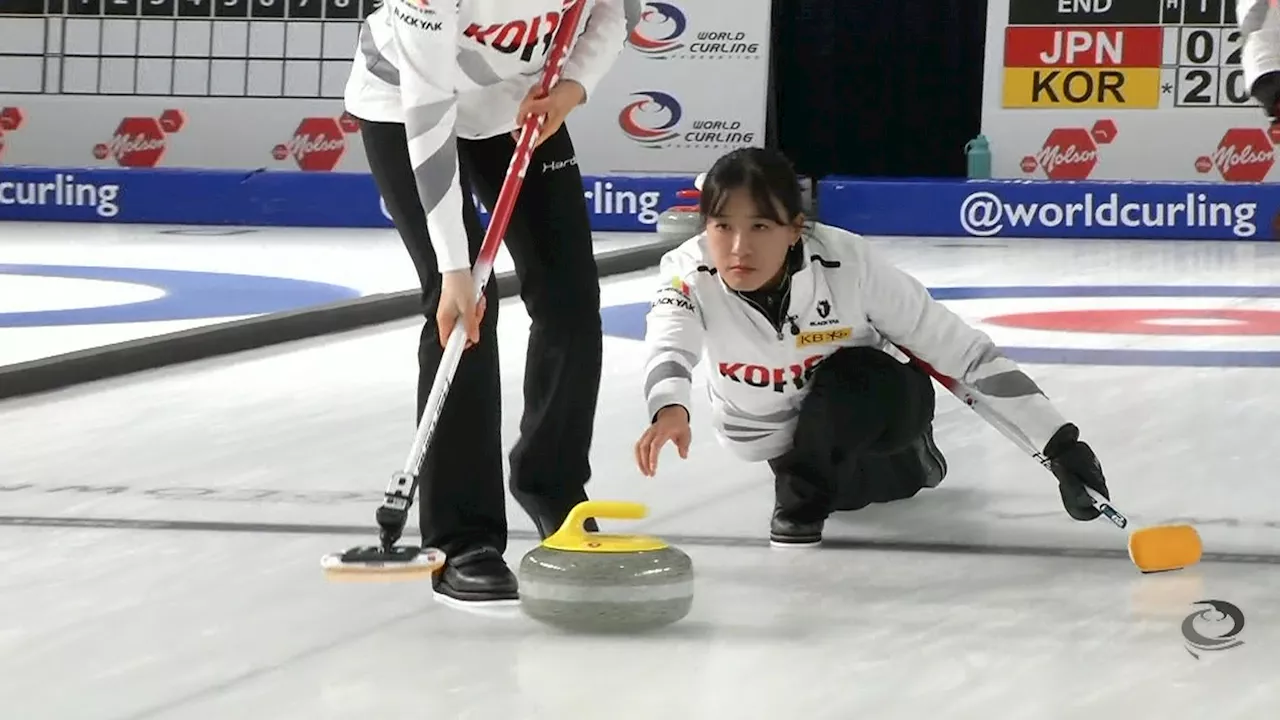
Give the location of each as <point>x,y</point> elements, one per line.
<point>479,575</point>
<point>789,533</point>
<point>548,514</point>
<point>931,459</point>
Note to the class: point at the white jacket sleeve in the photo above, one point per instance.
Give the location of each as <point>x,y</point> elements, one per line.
<point>1260,32</point>
<point>673,339</point>
<point>600,42</point>
<point>900,307</point>
<point>426,39</point>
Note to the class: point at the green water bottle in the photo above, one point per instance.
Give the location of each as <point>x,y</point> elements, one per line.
<point>978,153</point>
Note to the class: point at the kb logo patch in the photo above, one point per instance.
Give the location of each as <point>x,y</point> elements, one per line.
<point>823,337</point>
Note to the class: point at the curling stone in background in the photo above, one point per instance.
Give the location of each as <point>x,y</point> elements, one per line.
<point>675,225</point>
<point>681,222</point>
<point>595,582</point>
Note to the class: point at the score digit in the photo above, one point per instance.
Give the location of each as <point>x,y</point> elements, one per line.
<point>1199,46</point>
<point>1197,87</point>
<point>310,9</point>
<point>1233,92</point>
<point>1231,39</point>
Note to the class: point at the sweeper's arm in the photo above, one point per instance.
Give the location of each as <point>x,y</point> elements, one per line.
<point>601,42</point>
<point>1260,52</point>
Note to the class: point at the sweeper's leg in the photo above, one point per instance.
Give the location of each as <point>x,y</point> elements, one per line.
<point>462,503</point>
<point>863,436</point>
<point>550,241</point>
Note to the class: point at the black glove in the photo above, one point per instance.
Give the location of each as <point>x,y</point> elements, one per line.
<point>1266,90</point>
<point>1075,466</point>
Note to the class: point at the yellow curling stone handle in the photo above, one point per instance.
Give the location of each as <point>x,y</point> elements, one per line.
<point>573,537</point>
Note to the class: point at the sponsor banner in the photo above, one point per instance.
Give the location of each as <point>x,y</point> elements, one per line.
<point>266,198</point>
<point>1165,76</point>
<point>1048,209</point>
<point>160,132</point>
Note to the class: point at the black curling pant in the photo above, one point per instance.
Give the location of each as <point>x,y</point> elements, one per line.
<point>462,499</point>
<point>856,437</point>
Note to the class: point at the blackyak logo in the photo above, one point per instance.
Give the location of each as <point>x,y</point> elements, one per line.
<point>1219,614</point>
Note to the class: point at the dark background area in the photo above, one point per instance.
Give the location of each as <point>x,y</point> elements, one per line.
<point>877,88</point>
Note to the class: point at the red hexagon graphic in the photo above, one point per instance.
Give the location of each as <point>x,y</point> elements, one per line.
<point>1104,131</point>
<point>317,145</point>
<point>137,142</point>
<point>173,120</point>
<point>11,118</point>
<point>349,123</point>
<point>1243,155</point>
<point>1067,154</point>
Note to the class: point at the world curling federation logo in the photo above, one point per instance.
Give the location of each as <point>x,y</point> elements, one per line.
<point>652,119</point>
<point>1216,614</point>
<point>659,31</point>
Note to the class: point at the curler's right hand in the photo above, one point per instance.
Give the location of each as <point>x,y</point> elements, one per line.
<point>670,424</point>
<point>457,300</point>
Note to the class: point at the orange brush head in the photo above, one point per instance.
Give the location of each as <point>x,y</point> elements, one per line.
<point>1164,547</point>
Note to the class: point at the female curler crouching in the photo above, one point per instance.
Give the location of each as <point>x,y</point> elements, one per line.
<point>800,324</point>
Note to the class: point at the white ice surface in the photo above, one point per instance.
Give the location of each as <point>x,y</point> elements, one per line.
<point>118,623</point>
<point>370,261</point>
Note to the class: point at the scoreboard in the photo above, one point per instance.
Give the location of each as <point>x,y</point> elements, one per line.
<point>1165,74</point>
<point>179,48</point>
<point>1123,54</point>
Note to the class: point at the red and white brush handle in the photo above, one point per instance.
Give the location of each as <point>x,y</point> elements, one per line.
<point>400,492</point>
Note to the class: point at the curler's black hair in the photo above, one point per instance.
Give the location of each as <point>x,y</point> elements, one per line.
<point>766,174</point>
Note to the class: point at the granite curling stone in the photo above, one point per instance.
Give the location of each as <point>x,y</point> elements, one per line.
<point>598,583</point>
<point>681,222</point>
<point>677,224</point>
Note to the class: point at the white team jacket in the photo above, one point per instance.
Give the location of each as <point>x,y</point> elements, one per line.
<point>1260,31</point>
<point>459,68</point>
<point>844,295</point>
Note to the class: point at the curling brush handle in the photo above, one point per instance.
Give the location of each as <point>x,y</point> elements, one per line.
<point>400,491</point>
<point>498,221</point>
<point>1103,506</point>
<point>1006,428</point>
